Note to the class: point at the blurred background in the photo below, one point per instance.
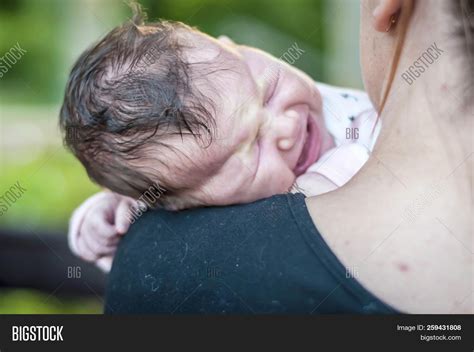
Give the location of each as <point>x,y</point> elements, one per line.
<point>37,272</point>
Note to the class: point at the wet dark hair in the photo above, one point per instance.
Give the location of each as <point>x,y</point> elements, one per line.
<point>133,89</point>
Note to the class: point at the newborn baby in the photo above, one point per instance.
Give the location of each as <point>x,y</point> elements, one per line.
<point>208,121</point>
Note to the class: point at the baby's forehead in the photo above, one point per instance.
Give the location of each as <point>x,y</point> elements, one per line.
<point>203,50</point>
<point>200,47</point>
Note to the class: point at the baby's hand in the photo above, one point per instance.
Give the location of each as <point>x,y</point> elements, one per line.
<point>97,225</point>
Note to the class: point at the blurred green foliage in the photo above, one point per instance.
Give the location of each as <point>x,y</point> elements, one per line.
<point>55,184</point>
<point>31,24</point>
<point>34,302</point>
<point>47,30</point>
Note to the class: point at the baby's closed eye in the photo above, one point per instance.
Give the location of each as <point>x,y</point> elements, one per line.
<point>271,83</point>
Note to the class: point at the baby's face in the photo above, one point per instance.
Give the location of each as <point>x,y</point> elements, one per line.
<point>269,127</point>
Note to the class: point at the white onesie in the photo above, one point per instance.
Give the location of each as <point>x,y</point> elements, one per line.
<point>352,121</point>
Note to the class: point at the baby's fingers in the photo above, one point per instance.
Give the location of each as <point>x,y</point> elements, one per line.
<point>99,248</point>
<point>97,226</point>
<point>122,215</point>
<point>105,263</point>
<point>97,237</point>
<point>83,251</point>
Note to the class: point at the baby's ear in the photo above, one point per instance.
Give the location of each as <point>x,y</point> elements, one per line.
<point>225,39</point>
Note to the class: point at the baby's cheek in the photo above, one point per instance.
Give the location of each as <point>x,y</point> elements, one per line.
<point>277,180</point>
<point>230,185</point>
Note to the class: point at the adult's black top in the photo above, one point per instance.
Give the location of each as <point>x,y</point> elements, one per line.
<point>265,257</point>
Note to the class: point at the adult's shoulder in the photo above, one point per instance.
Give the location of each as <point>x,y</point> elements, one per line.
<point>216,225</point>
<point>263,257</point>
<point>166,255</point>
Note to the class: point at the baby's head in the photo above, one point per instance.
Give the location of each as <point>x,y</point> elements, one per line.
<point>212,122</point>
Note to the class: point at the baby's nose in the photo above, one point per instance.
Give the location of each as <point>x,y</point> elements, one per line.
<point>288,130</point>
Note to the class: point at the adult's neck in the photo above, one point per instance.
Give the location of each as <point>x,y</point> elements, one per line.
<point>427,120</point>
<point>403,224</point>
<point>406,216</point>
<point>426,136</point>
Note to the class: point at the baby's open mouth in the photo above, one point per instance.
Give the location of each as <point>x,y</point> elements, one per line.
<point>311,148</point>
